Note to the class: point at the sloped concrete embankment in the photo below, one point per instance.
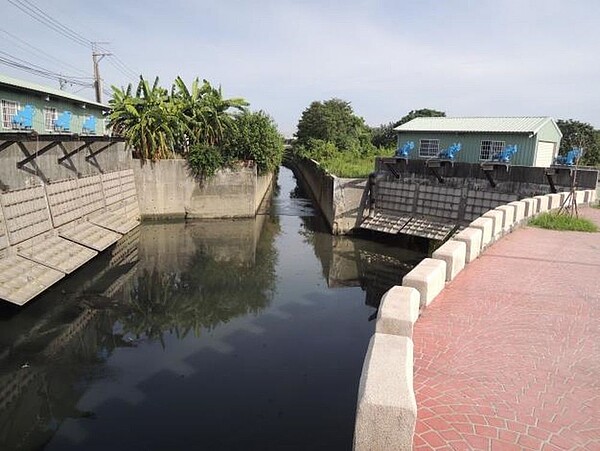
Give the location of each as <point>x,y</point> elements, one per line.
<point>386,408</point>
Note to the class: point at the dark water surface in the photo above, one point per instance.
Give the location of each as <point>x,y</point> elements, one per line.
<point>215,335</point>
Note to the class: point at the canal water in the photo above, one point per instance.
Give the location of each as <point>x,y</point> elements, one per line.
<point>212,335</point>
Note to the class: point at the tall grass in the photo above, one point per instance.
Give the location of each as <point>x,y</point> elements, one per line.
<point>556,221</point>
<point>351,165</point>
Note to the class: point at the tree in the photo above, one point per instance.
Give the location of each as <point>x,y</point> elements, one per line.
<point>383,136</point>
<point>147,120</point>
<point>332,121</point>
<point>580,134</point>
<point>424,112</point>
<point>205,114</point>
<point>255,137</point>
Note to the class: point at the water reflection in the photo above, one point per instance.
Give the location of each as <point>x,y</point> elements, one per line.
<point>198,275</point>
<point>244,334</point>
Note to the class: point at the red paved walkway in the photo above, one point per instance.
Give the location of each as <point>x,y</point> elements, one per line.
<point>508,356</point>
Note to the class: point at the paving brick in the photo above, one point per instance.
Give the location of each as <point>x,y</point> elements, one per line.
<point>515,365</point>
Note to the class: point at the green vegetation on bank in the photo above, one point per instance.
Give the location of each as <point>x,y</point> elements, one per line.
<point>330,133</point>
<point>562,221</point>
<point>196,123</point>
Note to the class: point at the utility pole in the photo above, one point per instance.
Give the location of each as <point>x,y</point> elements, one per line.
<point>96,58</point>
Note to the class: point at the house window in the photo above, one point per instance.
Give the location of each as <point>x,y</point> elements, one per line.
<point>50,115</point>
<point>489,148</point>
<point>429,147</point>
<point>9,110</point>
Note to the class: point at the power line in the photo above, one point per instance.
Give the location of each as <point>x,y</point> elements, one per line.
<point>34,51</point>
<point>44,18</point>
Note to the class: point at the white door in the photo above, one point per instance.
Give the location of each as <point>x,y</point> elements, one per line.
<point>545,153</point>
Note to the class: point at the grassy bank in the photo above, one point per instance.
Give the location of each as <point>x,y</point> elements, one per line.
<point>555,221</point>
<point>350,165</point>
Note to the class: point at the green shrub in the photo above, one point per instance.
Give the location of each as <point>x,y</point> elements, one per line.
<point>562,221</point>
<point>205,160</point>
<point>254,136</point>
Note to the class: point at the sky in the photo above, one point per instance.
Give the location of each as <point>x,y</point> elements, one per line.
<point>467,58</point>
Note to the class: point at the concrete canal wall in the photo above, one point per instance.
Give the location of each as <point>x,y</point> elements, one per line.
<point>167,188</point>
<point>31,162</point>
<point>386,407</point>
<point>414,199</point>
<point>339,199</point>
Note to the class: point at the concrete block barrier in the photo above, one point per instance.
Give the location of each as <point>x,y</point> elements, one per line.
<point>428,278</point>
<point>554,201</point>
<point>519,210</point>
<point>472,238</point>
<point>531,207</point>
<point>580,197</point>
<point>543,203</point>
<point>454,254</point>
<point>487,230</point>
<point>590,196</point>
<point>509,217</point>
<point>398,311</point>
<point>386,413</point>
<point>498,218</point>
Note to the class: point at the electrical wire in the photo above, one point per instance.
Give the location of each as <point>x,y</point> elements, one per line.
<point>44,18</point>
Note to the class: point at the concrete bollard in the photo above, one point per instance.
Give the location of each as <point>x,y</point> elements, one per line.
<point>386,412</point>
<point>498,218</point>
<point>580,197</point>
<point>487,230</point>
<point>554,201</point>
<point>472,238</point>
<point>519,210</point>
<point>543,203</point>
<point>398,311</point>
<point>428,278</point>
<point>531,207</point>
<point>454,253</point>
<point>509,217</point>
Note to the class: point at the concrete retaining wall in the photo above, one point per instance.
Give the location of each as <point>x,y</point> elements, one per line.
<point>386,408</point>
<point>339,199</point>
<point>167,188</point>
<point>60,158</point>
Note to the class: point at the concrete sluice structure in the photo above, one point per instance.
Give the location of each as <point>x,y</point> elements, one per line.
<point>48,231</point>
<point>32,363</point>
<point>414,197</point>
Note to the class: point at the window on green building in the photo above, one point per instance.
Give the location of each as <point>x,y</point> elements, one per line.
<point>9,110</point>
<point>50,115</point>
<point>489,148</point>
<point>429,147</point>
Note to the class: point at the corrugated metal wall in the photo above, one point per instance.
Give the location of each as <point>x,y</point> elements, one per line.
<point>38,102</point>
<point>471,144</point>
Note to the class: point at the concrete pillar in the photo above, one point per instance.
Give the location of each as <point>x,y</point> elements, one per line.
<point>498,218</point>
<point>386,413</point>
<point>554,201</point>
<point>428,278</point>
<point>543,203</point>
<point>487,230</point>
<point>398,311</point>
<point>531,207</point>
<point>454,254</point>
<point>509,217</point>
<point>519,210</point>
<point>472,238</point>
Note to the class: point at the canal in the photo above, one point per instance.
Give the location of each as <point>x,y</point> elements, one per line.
<point>217,335</point>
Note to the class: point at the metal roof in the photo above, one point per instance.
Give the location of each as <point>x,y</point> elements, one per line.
<point>28,86</point>
<point>476,124</point>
